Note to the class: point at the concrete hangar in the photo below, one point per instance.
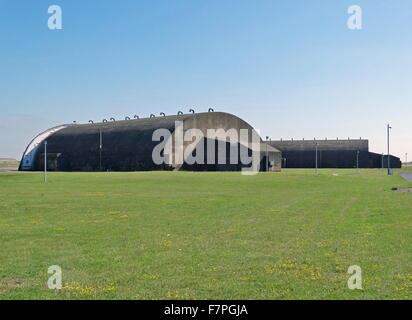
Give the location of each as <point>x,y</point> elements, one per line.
<point>129,145</point>
<point>332,154</point>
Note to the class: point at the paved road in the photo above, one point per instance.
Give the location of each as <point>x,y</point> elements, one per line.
<point>407,176</point>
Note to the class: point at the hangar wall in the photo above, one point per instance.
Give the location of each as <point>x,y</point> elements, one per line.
<point>127,145</point>
<point>326,145</point>
<point>331,154</point>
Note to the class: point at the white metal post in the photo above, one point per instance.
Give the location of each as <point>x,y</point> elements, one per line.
<point>389,160</point>
<point>45,161</point>
<point>100,149</point>
<point>316,158</point>
<point>267,164</point>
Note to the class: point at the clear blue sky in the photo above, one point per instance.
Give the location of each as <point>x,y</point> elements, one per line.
<point>291,68</point>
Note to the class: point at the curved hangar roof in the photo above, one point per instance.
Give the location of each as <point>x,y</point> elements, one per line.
<point>126,145</point>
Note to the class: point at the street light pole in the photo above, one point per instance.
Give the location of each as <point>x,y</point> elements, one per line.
<point>389,161</point>
<point>45,161</point>
<point>100,150</point>
<point>267,164</point>
<point>270,139</point>
<point>357,161</point>
<point>316,156</point>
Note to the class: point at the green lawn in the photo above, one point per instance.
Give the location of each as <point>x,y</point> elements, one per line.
<point>183,235</point>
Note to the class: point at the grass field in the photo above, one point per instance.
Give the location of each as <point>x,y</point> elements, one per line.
<point>183,235</point>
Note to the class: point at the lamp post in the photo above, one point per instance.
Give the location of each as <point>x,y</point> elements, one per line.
<point>267,163</point>
<point>357,161</point>
<point>389,160</point>
<point>316,157</point>
<point>45,161</point>
<point>100,149</point>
